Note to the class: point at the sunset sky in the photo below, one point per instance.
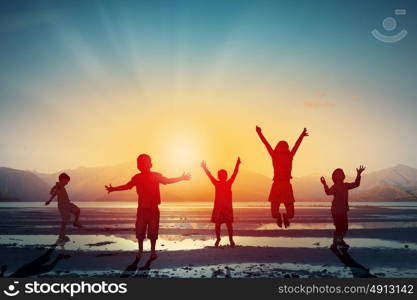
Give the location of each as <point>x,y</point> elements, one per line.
<point>91,83</point>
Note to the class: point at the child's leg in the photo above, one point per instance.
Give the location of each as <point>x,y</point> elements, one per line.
<point>275,209</point>
<point>275,203</point>
<point>275,212</point>
<point>75,210</point>
<point>141,226</point>
<point>337,235</point>
<point>153,229</point>
<point>289,207</point>
<point>140,249</point>
<point>289,213</point>
<point>153,246</point>
<point>230,232</point>
<point>65,211</point>
<point>62,230</point>
<point>217,231</point>
<point>343,227</point>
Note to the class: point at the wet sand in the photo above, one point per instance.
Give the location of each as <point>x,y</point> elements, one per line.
<point>383,239</point>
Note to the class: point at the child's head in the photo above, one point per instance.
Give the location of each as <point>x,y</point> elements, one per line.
<point>144,163</point>
<point>64,178</point>
<point>222,175</point>
<point>282,148</point>
<point>338,176</point>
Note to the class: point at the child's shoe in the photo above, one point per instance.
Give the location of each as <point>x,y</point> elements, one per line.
<point>279,221</point>
<point>286,221</point>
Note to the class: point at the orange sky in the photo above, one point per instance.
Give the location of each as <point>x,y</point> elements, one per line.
<point>93,87</point>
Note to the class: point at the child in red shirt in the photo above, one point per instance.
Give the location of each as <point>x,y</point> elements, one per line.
<point>340,205</point>
<point>281,190</point>
<point>147,187</point>
<point>223,208</point>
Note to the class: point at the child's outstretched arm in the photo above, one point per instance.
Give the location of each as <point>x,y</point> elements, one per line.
<point>185,176</point>
<point>357,182</point>
<point>211,177</point>
<point>264,140</point>
<point>123,187</point>
<point>298,142</point>
<point>327,190</point>
<point>53,194</point>
<point>235,171</point>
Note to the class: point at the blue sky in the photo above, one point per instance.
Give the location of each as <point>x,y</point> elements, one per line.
<point>312,59</point>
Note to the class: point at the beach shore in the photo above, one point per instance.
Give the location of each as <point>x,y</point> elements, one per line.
<point>382,239</point>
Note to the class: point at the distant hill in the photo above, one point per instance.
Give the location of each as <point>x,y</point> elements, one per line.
<point>401,176</point>
<point>391,184</point>
<point>17,185</point>
<point>87,184</point>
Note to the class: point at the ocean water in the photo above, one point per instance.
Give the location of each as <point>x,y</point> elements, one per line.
<point>200,204</point>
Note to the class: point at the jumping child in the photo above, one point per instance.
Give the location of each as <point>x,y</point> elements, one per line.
<point>340,205</point>
<point>223,207</point>
<point>147,187</point>
<point>65,206</point>
<point>281,190</point>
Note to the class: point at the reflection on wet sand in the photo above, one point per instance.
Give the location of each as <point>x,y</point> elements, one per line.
<point>191,242</point>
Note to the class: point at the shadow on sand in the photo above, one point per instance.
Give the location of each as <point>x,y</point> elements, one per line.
<point>37,266</point>
<point>132,270</point>
<point>358,270</point>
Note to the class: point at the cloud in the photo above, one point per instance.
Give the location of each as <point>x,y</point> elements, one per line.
<point>321,95</point>
<point>21,21</point>
<point>317,104</point>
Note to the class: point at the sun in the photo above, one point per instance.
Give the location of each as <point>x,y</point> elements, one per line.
<point>183,154</point>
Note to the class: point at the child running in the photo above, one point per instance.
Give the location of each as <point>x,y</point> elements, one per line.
<point>147,187</point>
<point>281,190</point>
<point>340,205</point>
<point>65,206</point>
<point>223,207</point>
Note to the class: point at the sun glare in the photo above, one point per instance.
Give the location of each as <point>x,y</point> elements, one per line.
<point>182,154</point>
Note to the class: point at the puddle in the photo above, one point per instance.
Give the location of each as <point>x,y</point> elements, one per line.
<point>175,242</point>
<point>360,225</point>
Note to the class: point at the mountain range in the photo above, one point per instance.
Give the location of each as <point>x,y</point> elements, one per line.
<point>398,183</point>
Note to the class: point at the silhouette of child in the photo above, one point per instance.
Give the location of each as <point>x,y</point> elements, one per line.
<point>147,187</point>
<point>65,206</point>
<point>281,190</point>
<point>223,208</point>
<point>340,205</point>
